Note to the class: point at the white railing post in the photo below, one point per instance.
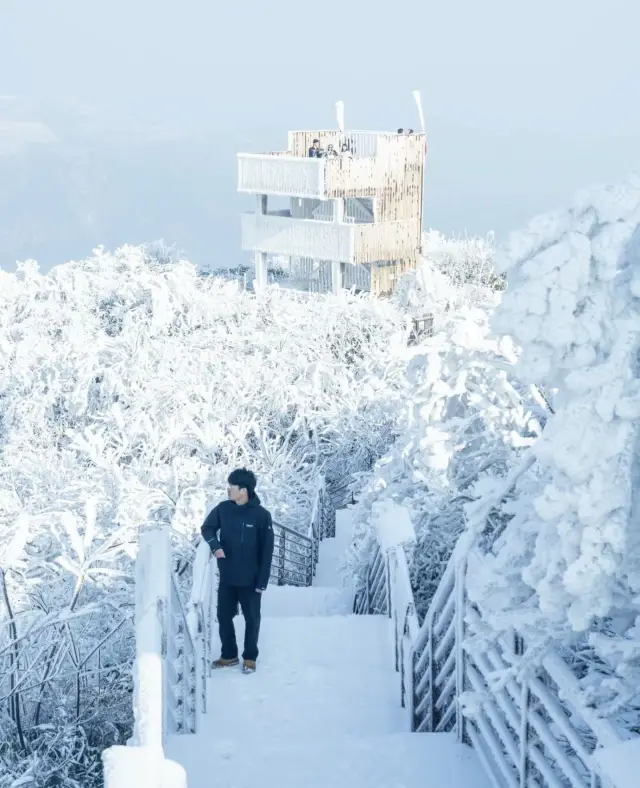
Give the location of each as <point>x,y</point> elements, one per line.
<point>387,562</point>
<point>153,593</point>
<point>523,766</point>
<point>132,767</point>
<point>459,612</point>
<point>431,681</point>
<point>367,591</point>
<point>392,602</point>
<point>408,669</point>
<point>198,618</point>
<point>142,761</point>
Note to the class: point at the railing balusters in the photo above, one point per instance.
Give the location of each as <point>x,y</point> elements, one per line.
<point>431,684</point>
<point>180,684</point>
<point>459,640</point>
<point>282,539</point>
<point>519,745</point>
<point>523,766</point>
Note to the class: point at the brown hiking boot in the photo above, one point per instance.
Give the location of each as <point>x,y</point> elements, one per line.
<point>249,666</point>
<point>225,663</point>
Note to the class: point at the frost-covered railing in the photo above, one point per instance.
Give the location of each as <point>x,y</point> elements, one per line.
<point>315,275</point>
<point>533,733</point>
<point>299,237</point>
<point>293,555</point>
<point>281,174</point>
<point>165,673</point>
<point>323,521</point>
<point>293,176</point>
<point>165,690</point>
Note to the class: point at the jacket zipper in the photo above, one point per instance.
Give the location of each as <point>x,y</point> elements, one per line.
<point>242,535</point>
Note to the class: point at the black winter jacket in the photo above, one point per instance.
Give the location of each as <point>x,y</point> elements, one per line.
<point>245,533</point>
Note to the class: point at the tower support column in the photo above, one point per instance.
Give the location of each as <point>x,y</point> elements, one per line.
<point>260,262</point>
<point>337,266</point>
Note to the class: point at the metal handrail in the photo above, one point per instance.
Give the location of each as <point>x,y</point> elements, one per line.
<point>180,676</point>
<point>293,532</point>
<point>524,733</point>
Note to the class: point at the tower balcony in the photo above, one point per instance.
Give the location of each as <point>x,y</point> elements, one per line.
<point>279,233</point>
<point>293,176</point>
<point>378,162</point>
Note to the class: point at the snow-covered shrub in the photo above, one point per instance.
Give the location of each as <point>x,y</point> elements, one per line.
<point>465,417</point>
<point>451,274</point>
<point>465,261</point>
<point>567,566</point>
<point>129,387</point>
<point>464,422</point>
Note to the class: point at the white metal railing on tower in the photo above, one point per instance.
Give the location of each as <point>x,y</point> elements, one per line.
<point>529,733</point>
<point>276,234</point>
<point>290,176</point>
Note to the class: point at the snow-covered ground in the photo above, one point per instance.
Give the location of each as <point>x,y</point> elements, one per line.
<point>323,707</point>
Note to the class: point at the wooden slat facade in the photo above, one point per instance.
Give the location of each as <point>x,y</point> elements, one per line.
<point>380,241</point>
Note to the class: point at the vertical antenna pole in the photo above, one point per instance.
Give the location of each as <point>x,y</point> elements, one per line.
<point>340,114</point>
<point>417,99</point>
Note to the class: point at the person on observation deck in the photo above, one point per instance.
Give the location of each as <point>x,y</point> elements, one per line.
<point>315,151</point>
<point>239,532</point>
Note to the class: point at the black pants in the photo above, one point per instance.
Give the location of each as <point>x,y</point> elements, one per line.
<point>249,600</point>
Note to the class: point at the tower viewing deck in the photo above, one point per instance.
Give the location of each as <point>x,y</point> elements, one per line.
<point>355,202</point>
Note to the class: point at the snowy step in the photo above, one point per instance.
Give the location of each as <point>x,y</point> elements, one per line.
<point>315,674</point>
<point>405,760</point>
<point>310,601</point>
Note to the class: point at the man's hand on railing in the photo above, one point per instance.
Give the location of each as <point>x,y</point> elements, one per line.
<point>219,553</point>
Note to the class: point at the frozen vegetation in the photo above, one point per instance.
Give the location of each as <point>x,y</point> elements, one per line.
<point>130,384</point>
<point>521,433</point>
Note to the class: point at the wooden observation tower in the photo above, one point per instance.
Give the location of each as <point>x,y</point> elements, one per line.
<point>359,210</point>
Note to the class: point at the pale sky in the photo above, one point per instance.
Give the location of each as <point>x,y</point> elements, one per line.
<point>525,102</point>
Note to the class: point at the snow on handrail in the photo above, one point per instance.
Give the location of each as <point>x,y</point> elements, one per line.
<point>164,674</point>
<point>153,593</point>
<point>285,175</point>
<point>200,616</point>
<point>533,731</point>
<point>166,655</point>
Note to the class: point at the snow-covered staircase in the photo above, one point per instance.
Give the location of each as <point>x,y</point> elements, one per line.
<point>326,706</point>
<point>322,709</point>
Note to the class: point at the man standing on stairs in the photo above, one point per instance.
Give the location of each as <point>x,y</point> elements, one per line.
<point>239,532</point>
